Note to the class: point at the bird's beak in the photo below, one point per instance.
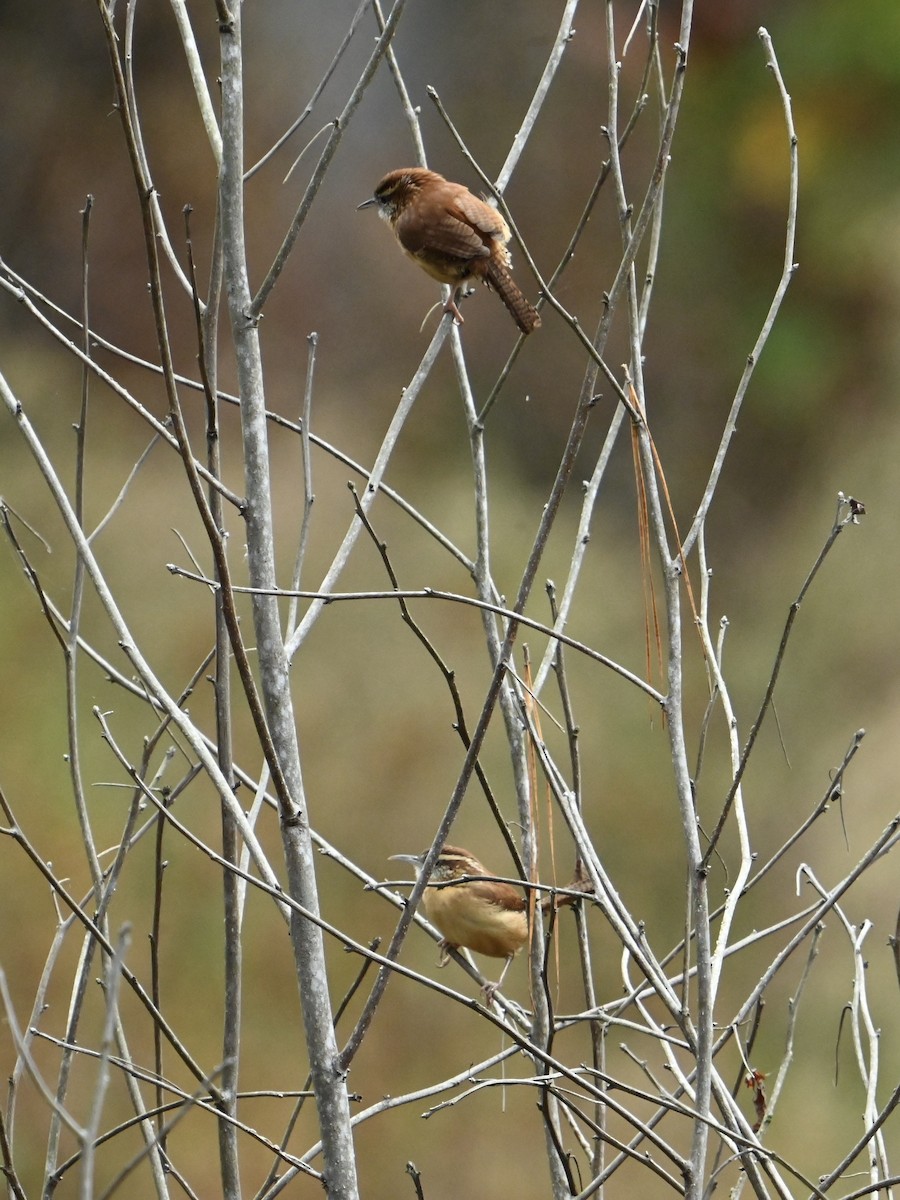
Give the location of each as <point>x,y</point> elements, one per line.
<point>367,204</point>
<point>412,858</point>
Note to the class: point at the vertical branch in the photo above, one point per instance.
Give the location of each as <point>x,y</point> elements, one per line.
<point>78,582</point>
<point>701,1027</point>
<point>74,739</point>
<point>207,320</point>
<point>306,937</point>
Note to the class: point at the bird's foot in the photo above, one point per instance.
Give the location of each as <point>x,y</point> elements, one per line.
<point>450,307</point>
<point>488,992</point>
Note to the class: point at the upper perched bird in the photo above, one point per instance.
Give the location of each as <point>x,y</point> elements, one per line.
<point>452,235</point>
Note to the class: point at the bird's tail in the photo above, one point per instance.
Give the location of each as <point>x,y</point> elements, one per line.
<point>525,315</point>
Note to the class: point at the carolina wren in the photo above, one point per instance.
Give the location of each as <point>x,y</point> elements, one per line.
<point>452,235</point>
<point>482,915</point>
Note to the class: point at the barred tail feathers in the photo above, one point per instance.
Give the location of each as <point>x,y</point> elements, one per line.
<point>498,277</point>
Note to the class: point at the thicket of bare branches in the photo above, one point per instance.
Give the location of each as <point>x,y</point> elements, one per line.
<point>121,1063</point>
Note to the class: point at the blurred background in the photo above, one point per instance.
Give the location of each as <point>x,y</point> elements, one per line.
<point>380,755</point>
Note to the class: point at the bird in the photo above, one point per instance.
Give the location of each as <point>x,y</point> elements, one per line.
<point>452,234</point>
<point>482,914</point>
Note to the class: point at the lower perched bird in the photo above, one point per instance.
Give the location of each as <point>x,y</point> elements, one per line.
<point>452,235</point>
<point>482,915</point>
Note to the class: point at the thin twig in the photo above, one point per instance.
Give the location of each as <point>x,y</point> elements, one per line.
<point>437,594</point>
<point>317,92</point>
<point>788,270</point>
<point>849,512</point>
<point>254,308</point>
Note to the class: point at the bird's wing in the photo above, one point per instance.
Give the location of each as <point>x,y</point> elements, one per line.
<point>441,234</point>
<point>503,894</point>
<point>481,216</point>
